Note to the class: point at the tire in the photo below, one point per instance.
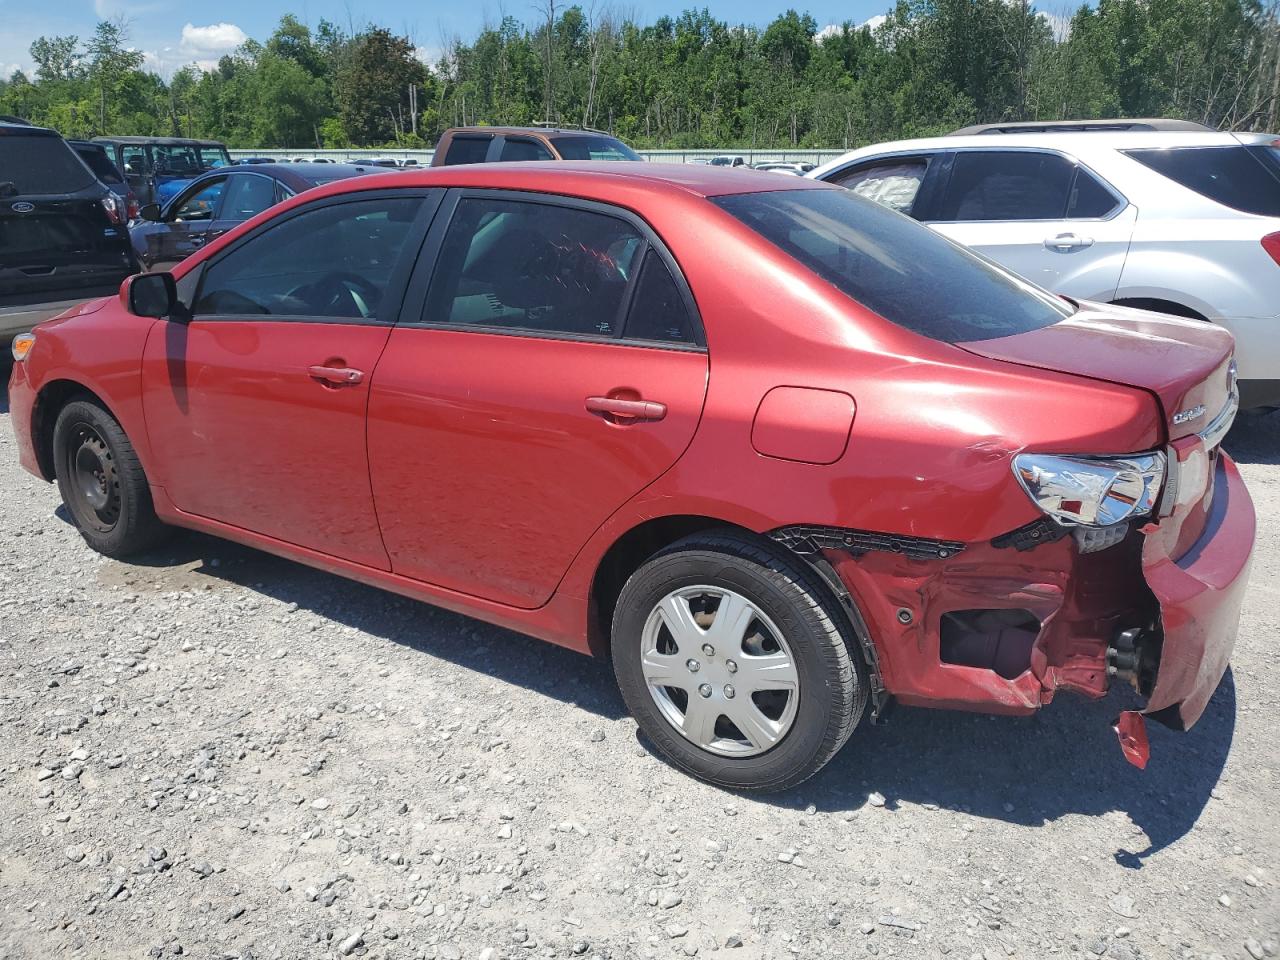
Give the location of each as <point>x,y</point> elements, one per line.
<point>770,727</point>
<point>102,483</point>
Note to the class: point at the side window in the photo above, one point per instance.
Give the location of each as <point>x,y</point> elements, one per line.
<point>135,160</point>
<point>1007,185</point>
<point>533,266</point>
<point>332,261</point>
<point>893,183</point>
<point>658,311</point>
<point>201,205</point>
<point>247,196</point>
<point>467,150</point>
<point>524,150</point>
<point>1089,198</point>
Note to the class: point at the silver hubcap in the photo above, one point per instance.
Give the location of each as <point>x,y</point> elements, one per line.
<point>719,671</point>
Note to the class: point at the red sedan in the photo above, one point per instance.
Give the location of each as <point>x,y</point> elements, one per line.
<point>780,453</point>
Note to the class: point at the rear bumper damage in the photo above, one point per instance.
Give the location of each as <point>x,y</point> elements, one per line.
<point>1002,626</point>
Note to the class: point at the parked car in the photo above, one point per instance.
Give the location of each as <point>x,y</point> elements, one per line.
<point>63,238</point>
<point>250,161</point>
<point>494,144</point>
<point>213,204</point>
<point>795,168</point>
<point>534,394</point>
<point>156,168</point>
<point>728,161</point>
<point>97,159</point>
<point>1181,221</point>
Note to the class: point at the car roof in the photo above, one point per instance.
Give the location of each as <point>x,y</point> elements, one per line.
<point>163,141</point>
<point>1074,143</point>
<point>1079,126</point>
<point>87,145</point>
<point>298,175</point>
<point>26,128</point>
<point>591,179</point>
<point>533,131</point>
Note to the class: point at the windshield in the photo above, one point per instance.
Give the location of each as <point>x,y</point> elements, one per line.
<point>896,267</point>
<point>40,164</point>
<point>593,148</point>
<point>187,160</point>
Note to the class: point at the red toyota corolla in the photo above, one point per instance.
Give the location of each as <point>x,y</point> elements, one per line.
<point>779,452</point>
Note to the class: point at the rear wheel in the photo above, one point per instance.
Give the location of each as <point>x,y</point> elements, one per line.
<point>102,483</point>
<point>735,663</point>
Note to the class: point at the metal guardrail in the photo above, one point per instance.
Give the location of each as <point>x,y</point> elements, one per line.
<point>660,156</point>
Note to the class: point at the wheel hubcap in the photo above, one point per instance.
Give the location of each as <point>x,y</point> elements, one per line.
<point>720,671</point>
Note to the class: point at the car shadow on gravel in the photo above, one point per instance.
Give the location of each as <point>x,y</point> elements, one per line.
<point>1255,438</point>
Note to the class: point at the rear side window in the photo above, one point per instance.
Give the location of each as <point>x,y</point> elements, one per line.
<point>334,261</point>
<point>41,165</point>
<point>892,265</point>
<point>593,148</point>
<point>467,150</point>
<point>894,183</point>
<point>515,150</point>
<point>1007,185</point>
<point>1089,200</point>
<point>1232,176</point>
<point>202,204</point>
<point>534,267</point>
<point>658,311</point>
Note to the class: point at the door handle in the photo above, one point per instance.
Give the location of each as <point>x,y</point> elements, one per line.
<point>195,239</point>
<point>1067,241</point>
<point>626,411</point>
<point>338,376</point>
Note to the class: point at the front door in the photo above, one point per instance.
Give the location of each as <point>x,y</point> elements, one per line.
<point>1041,215</point>
<point>553,370</point>
<point>259,402</point>
<point>184,226</point>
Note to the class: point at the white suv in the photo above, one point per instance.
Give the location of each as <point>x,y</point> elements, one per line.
<point>1180,222</point>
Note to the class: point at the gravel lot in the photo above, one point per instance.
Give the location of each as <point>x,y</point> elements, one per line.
<point>216,753</point>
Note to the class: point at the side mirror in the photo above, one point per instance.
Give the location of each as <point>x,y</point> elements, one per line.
<point>150,211</point>
<point>150,295</point>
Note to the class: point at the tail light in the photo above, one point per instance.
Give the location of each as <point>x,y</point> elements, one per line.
<point>112,205</point>
<point>131,209</point>
<point>1271,244</point>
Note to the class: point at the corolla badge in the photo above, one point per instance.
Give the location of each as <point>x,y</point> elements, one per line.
<point>22,207</point>
<point>1191,413</point>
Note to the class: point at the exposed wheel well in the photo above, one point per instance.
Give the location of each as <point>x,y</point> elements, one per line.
<point>49,403</point>
<point>1160,306</point>
<point>623,559</point>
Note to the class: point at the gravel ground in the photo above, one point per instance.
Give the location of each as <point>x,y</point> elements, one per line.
<point>216,753</point>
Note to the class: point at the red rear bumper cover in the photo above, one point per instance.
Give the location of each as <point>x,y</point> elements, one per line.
<point>1200,594</point>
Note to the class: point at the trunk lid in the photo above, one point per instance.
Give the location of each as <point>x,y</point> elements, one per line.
<point>1185,363</point>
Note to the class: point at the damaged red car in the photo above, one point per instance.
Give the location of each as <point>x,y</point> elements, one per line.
<point>783,455</point>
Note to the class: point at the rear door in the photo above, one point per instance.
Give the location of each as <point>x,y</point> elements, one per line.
<point>547,367</point>
<point>1040,214</point>
<point>259,401</point>
<point>57,240</point>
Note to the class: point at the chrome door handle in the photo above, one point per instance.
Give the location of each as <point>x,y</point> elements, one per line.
<point>338,376</point>
<point>1067,241</point>
<point>626,411</point>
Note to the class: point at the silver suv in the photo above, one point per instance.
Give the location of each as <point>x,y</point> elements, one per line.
<point>1182,221</point>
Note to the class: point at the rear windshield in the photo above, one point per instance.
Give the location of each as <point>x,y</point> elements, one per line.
<point>1242,178</point>
<point>593,148</point>
<point>892,265</point>
<point>41,165</point>
<point>101,166</point>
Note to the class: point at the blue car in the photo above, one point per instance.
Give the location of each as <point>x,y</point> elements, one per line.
<point>157,168</point>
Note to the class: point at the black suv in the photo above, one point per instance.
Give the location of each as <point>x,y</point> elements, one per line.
<point>63,236</point>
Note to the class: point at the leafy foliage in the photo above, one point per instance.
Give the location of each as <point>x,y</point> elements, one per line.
<point>684,81</point>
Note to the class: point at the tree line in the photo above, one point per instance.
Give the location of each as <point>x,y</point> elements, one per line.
<point>682,82</point>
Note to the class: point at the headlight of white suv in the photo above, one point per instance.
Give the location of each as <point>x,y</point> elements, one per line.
<point>1092,491</point>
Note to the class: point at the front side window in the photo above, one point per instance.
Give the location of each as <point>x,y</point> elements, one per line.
<point>467,150</point>
<point>893,183</point>
<point>247,196</point>
<point>536,267</point>
<point>593,148</point>
<point>200,205</point>
<point>333,261</point>
<point>899,269</point>
<point>1241,178</point>
<point>1007,185</point>
<point>516,150</point>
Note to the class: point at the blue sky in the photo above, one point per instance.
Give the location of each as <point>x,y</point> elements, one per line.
<point>173,32</point>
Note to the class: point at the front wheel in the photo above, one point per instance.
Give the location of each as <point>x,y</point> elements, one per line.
<point>102,483</point>
<point>734,661</point>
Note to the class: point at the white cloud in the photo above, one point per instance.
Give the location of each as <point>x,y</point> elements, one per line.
<point>1058,23</point>
<point>872,22</point>
<point>216,38</point>
<point>428,55</point>
<point>833,29</point>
